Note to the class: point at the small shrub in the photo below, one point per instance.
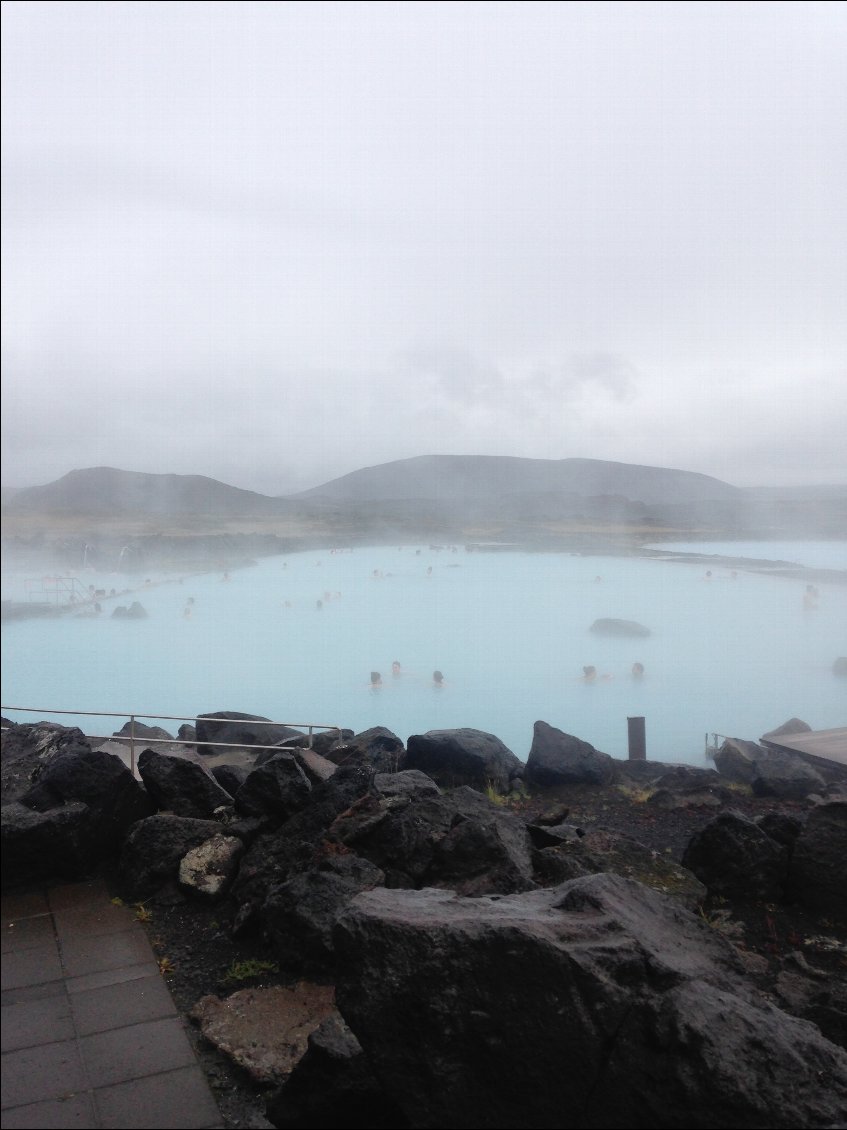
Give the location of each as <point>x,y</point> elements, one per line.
<point>249,969</point>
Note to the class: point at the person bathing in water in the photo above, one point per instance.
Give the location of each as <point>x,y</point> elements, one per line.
<point>589,675</point>
<point>376,680</point>
<point>437,679</point>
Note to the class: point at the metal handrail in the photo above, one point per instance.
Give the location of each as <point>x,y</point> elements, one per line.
<point>310,727</point>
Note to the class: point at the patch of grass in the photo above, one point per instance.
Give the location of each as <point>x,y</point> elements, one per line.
<point>638,795</point>
<point>142,914</point>
<point>249,969</point>
<point>166,966</point>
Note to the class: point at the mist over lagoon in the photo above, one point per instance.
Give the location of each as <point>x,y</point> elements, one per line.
<point>296,638</point>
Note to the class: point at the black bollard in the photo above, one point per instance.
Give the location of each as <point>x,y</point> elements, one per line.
<point>637,739</point>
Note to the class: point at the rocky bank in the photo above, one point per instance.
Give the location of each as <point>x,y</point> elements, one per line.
<point>435,934</point>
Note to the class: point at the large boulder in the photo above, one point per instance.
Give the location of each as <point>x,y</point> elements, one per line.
<point>792,726</point>
<point>458,840</point>
<point>278,788</point>
<point>299,842</point>
<point>685,786</point>
<point>139,731</point>
<point>626,629</point>
<point>736,857</point>
<point>208,871</point>
<point>85,800</point>
<point>817,875</point>
<point>785,776</point>
<point>736,759</point>
<point>595,1004</point>
<point>180,786</point>
<point>464,757</point>
<point>38,846</point>
<point>25,749</point>
<point>333,1085</point>
<point>377,748</point>
<point>155,847</point>
<point>557,758</point>
<point>300,914</point>
<point>236,729</point>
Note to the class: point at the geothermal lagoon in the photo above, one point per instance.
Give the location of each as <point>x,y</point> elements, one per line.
<point>731,652</point>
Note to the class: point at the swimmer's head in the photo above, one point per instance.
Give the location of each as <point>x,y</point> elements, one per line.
<point>437,677</point>
<point>395,667</point>
<point>376,678</point>
<point>589,672</point>
<point>638,670</point>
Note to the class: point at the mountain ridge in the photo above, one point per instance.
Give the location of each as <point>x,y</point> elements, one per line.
<point>445,479</point>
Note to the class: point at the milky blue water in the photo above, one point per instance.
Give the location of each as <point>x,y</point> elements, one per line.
<point>509,631</point>
<point>812,554</point>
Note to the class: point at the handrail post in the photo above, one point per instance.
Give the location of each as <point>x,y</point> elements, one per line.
<point>132,743</point>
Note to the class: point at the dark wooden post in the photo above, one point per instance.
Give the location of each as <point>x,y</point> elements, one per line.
<point>637,739</point>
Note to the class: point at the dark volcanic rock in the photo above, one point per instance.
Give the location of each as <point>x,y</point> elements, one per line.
<point>378,748</point>
<point>27,748</point>
<point>458,840</point>
<point>628,629</point>
<point>783,775</point>
<point>180,786</point>
<point>792,726</point>
<point>464,757</point>
<point>300,914</point>
<point>594,1004</point>
<point>90,797</point>
<point>557,758</point>
<point>333,1085</point>
<point>734,856</point>
<point>139,730</point>
<point>238,729</point>
<point>736,759</point>
<point>45,845</point>
<point>279,788</point>
<point>687,787</point>
<point>818,873</point>
<point>154,848</point>
<point>231,777</point>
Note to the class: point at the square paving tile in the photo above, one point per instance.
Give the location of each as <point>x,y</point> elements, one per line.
<point>128,1053</point>
<point>36,1022</point>
<point>25,933</point>
<point>75,1112</point>
<point>112,976</point>
<point>31,967</point>
<point>48,1072</point>
<point>91,921</point>
<point>87,954</point>
<point>22,904</point>
<point>32,993</point>
<point>71,895</point>
<point>179,1099</point>
<point>116,1006</point>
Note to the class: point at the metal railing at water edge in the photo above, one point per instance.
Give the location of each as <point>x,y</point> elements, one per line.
<point>308,728</point>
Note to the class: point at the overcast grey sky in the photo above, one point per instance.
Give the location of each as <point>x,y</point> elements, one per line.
<point>273,243</point>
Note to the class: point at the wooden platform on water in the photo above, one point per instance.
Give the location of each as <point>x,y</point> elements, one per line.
<point>823,747</point>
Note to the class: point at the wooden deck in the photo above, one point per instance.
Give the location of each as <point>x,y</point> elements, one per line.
<point>825,747</point>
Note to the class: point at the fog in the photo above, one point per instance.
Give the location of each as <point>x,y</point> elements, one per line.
<point>276,243</point>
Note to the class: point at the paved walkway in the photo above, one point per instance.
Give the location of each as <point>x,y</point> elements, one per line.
<point>90,1035</point>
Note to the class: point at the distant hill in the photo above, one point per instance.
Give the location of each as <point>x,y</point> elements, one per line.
<point>458,478</point>
<point>108,492</point>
